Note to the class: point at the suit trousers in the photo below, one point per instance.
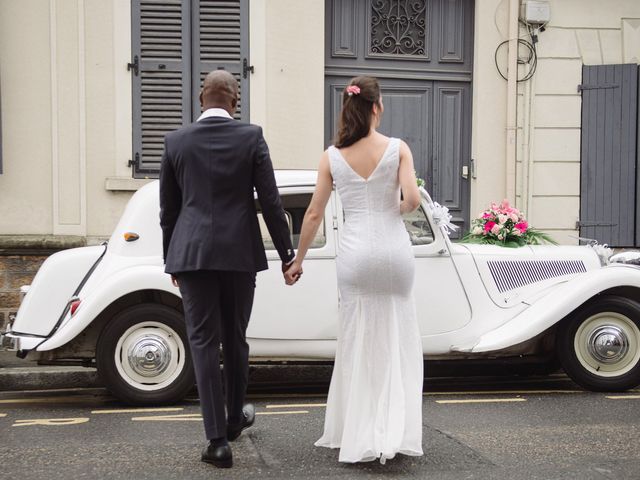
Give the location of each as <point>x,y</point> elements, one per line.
<point>217,307</point>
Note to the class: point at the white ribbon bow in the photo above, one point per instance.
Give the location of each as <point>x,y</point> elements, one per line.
<point>442,217</point>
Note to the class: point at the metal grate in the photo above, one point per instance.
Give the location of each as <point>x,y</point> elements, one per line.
<point>512,274</point>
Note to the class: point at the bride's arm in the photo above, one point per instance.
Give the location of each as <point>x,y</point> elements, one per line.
<point>408,182</point>
<point>312,217</point>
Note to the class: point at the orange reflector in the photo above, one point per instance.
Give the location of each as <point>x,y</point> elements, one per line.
<point>131,237</point>
<point>74,306</point>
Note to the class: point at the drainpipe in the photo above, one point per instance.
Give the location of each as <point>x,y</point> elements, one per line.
<point>512,101</point>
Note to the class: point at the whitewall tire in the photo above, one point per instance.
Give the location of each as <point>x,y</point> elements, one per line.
<point>143,356</point>
<point>599,344</point>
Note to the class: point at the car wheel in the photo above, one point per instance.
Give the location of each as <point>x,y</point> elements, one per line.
<point>143,356</point>
<point>599,344</point>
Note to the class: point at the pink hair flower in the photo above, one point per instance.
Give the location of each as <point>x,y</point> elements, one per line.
<point>353,90</point>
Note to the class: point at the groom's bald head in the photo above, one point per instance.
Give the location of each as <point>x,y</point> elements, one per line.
<point>219,90</point>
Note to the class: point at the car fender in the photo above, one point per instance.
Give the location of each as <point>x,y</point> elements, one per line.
<point>549,309</point>
<point>121,283</point>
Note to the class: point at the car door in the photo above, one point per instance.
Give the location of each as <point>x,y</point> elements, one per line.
<point>309,309</point>
<point>441,302</point>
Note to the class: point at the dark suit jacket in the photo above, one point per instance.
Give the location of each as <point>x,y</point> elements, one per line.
<point>207,208</point>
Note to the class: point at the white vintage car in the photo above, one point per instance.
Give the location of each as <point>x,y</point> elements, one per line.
<point>115,305</point>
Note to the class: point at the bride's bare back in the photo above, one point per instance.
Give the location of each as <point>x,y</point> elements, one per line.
<point>364,155</point>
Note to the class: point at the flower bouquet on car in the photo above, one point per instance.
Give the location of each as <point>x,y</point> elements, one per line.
<point>504,225</point>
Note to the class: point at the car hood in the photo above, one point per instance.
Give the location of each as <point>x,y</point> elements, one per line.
<point>513,275</point>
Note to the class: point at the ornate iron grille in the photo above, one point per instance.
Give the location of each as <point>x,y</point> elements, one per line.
<point>512,274</point>
<point>398,27</point>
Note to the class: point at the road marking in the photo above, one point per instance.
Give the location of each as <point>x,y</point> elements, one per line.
<point>49,421</point>
<point>52,400</point>
<point>187,417</point>
<point>140,410</point>
<point>623,397</point>
<point>2,415</point>
<point>484,400</point>
<point>298,405</point>
<point>292,412</point>
<point>504,392</point>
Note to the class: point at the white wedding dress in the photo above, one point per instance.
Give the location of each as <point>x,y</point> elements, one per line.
<point>374,409</point>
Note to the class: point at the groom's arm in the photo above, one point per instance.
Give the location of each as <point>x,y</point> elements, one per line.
<point>265,183</point>
<point>170,200</point>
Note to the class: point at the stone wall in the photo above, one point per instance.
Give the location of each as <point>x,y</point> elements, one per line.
<point>15,271</point>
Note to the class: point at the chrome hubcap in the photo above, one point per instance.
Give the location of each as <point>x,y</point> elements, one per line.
<point>149,356</point>
<point>608,344</point>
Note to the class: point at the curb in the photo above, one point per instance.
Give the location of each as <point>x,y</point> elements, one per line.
<point>47,378</point>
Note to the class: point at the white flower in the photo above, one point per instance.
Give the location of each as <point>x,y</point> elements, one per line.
<point>477,230</point>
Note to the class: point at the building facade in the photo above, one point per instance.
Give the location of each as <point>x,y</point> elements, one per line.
<point>89,87</point>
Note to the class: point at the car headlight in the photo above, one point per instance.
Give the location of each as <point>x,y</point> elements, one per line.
<point>631,257</point>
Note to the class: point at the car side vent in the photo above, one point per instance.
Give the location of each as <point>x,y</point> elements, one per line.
<point>512,274</point>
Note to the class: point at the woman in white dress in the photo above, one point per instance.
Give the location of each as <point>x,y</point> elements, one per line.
<point>374,408</point>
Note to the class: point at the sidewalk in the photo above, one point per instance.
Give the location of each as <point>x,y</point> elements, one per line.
<point>18,374</point>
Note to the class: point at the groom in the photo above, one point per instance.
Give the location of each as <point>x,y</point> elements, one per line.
<point>213,248</point>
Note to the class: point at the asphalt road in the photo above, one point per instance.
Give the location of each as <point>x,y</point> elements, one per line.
<point>476,428</point>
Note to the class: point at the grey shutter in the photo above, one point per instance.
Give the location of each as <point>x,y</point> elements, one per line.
<point>608,154</point>
<point>221,41</point>
<point>162,83</point>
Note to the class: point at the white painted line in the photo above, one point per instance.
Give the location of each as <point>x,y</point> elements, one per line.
<point>292,412</point>
<point>187,417</point>
<point>2,415</point>
<point>504,392</point>
<point>140,410</point>
<point>484,400</point>
<point>53,400</point>
<point>298,405</point>
<point>623,397</point>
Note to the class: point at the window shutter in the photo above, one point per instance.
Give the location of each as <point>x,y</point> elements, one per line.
<point>161,78</point>
<point>221,41</point>
<point>608,154</point>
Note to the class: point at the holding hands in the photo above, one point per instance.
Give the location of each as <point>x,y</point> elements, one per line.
<point>292,272</point>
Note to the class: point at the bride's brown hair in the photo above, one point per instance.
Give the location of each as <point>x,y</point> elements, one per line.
<point>357,108</point>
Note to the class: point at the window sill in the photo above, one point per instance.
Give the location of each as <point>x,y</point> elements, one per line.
<point>125,184</point>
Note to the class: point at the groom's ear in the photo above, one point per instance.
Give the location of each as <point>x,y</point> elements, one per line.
<point>201,99</point>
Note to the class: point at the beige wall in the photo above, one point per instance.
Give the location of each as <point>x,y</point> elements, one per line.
<point>580,32</point>
<point>287,88</point>
<point>64,126</point>
<point>66,105</point>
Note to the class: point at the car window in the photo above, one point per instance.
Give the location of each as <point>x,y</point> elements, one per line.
<point>418,227</point>
<point>295,206</point>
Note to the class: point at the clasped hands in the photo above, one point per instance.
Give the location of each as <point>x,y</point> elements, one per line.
<point>292,272</point>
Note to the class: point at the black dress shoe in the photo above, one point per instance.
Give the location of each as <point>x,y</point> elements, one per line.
<point>248,417</point>
<point>219,456</point>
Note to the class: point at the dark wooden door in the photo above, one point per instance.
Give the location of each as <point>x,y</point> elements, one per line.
<point>421,52</point>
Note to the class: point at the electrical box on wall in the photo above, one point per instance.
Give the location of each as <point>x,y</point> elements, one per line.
<point>535,11</point>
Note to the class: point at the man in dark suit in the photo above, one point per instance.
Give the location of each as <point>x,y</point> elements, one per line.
<point>213,248</point>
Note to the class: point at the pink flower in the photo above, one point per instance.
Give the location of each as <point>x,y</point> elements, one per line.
<point>522,226</point>
<point>488,226</point>
<point>496,229</point>
<point>503,218</point>
<point>514,216</point>
<point>516,233</point>
<point>487,215</point>
<point>353,90</point>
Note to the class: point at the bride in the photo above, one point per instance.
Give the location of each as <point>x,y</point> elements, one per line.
<point>374,408</point>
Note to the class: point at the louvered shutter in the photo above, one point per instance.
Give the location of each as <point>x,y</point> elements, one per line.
<point>220,41</point>
<point>162,83</point>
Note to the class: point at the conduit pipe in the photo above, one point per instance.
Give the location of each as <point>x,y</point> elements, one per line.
<point>512,101</point>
